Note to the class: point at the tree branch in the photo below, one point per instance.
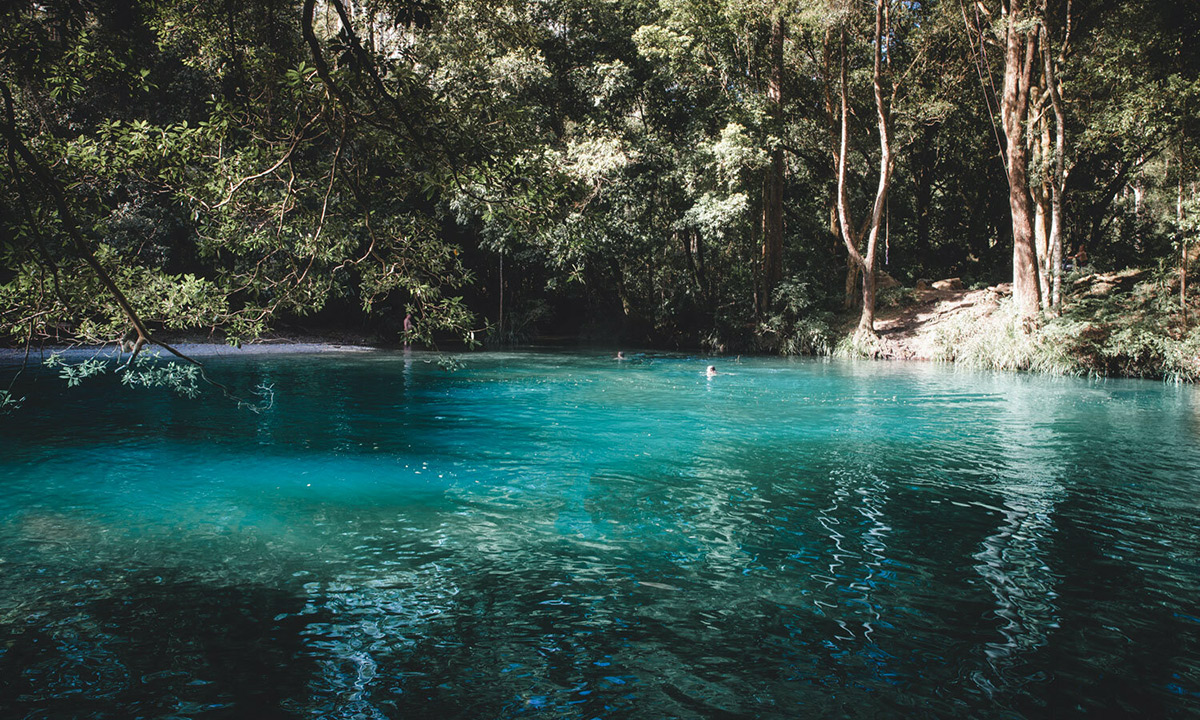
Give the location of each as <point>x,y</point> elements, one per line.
<point>8,128</point>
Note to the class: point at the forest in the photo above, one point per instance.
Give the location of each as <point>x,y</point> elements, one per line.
<point>533,359</point>
<point>727,175</point>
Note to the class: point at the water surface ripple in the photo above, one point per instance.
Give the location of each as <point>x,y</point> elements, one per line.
<point>564,535</point>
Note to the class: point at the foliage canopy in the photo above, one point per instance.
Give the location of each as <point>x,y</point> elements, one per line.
<point>608,167</point>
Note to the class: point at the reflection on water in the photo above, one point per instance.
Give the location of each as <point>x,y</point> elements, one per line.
<point>1012,560</point>
<point>567,536</point>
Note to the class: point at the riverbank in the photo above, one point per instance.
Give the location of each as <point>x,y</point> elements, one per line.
<point>200,347</point>
<point>1123,324</point>
<point>917,327</point>
<point>1119,324</point>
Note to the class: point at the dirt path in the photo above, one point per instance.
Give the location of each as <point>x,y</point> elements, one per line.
<point>911,332</point>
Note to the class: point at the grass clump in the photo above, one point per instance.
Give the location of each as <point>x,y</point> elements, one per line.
<point>860,345</point>
<point>1118,324</point>
<point>1002,341</point>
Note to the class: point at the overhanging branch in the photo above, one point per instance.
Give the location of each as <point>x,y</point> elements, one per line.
<point>8,128</point>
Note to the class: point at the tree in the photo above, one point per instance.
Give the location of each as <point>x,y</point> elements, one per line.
<point>676,172</point>
<point>861,243</point>
<point>292,188</point>
<point>772,201</point>
<point>1050,156</point>
<point>1020,56</point>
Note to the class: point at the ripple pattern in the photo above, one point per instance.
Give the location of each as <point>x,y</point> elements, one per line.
<point>561,535</point>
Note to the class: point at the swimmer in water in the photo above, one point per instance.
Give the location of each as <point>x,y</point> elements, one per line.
<point>620,356</point>
<point>711,371</point>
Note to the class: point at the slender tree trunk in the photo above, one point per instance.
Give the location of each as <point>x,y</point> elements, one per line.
<point>832,108</point>
<point>849,237</point>
<point>1183,261</point>
<point>866,261</point>
<point>852,296</point>
<point>1040,194</point>
<point>1058,181</point>
<point>1183,249</point>
<point>1020,45</point>
<point>866,323</point>
<point>772,217</point>
<point>692,248</point>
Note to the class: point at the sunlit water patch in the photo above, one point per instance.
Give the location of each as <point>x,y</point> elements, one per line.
<point>564,535</point>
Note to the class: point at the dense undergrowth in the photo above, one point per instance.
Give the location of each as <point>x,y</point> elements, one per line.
<point>800,325</point>
<point>1125,324</point>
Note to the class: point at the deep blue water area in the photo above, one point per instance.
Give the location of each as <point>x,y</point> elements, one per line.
<point>563,535</point>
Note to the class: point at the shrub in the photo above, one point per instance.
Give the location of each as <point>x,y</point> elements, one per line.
<point>1001,341</point>
<point>799,326</point>
<point>1131,333</point>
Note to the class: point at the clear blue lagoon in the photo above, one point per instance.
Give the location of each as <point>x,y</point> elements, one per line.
<point>561,535</point>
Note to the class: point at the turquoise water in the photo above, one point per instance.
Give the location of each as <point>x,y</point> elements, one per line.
<point>563,535</point>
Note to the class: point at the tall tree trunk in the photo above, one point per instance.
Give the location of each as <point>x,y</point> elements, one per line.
<point>866,322</point>
<point>850,297</point>
<point>772,213</point>
<point>1058,178</point>
<point>1183,247</point>
<point>866,261</point>
<point>1020,45</point>
<point>1040,193</point>
<point>694,251</point>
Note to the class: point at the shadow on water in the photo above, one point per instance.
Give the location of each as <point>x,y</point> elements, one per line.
<point>152,644</point>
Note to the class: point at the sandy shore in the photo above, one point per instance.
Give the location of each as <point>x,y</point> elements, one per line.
<point>196,350</point>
